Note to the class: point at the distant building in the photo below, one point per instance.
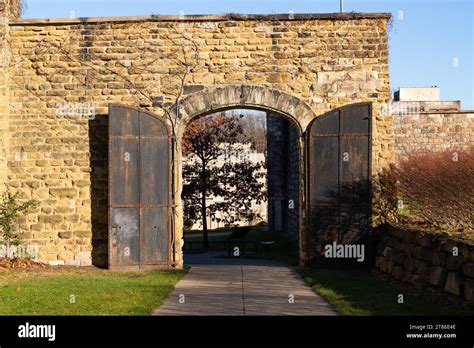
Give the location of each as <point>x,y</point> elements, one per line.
<point>423,123</point>
<point>421,99</point>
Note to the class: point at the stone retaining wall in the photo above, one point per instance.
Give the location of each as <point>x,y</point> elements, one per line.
<point>427,260</point>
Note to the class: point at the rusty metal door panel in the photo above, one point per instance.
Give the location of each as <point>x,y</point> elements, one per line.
<point>355,119</point>
<point>355,154</point>
<point>139,189</point>
<point>125,242</point>
<point>154,169</point>
<point>124,171</point>
<point>150,126</point>
<point>155,236</point>
<point>324,171</point>
<point>125,122</point>
<point>338,180</point>
<point>327,124</point>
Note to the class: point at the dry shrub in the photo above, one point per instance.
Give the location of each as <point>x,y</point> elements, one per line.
<point>439,187</point>
<point>384,199</point>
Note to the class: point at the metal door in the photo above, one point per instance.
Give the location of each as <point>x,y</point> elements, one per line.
<point>139,189</point>
<point>338,180</point>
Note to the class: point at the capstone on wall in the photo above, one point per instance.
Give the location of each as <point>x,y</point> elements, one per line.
<point>63,74</point>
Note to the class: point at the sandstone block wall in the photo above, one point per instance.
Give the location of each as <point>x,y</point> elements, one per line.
<point>432,132</point>
<point>428,260</point>
<point>66,73</point>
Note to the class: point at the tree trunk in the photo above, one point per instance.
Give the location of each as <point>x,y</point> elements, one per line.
<point>205,237</point>
<point>204,220</point>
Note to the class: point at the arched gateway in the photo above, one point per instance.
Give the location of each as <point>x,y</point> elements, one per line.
<point>145,217</point>
<point>83,128</point>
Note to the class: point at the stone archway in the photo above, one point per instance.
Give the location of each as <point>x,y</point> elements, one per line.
<point>220,98</point>
<point>216,98</point>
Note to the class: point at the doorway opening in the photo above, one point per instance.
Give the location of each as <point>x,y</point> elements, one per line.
<point>241,184</point>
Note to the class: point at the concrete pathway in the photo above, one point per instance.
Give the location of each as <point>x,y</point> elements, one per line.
<point>219,286</point>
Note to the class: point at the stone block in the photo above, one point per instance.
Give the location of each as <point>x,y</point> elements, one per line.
<point>413,279</point>
<point>454,283</point>
<point>410,236</point>
<point>408,248</point>
<point>409,263</point>
<point>56,263</point>
<point>469,290</point>
<point>423,253</point>
<point>72,262</point>
<point>399,258</point>
<point>83,256</point>
<point>397,272</point>
<point>438,276</point>
<point>439,259</point>
<point>388,253</point>
<point>63,192</point>
<point>448,245</point>
<point>420,266</point>
<point>468,269</point>
<point>454,263</point>
<point>424,241</point>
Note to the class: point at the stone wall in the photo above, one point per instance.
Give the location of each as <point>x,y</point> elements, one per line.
<point>432,132</point>
<point>283,176</point>
<point>8,11</point>
<point>67,72</point>
<point>427,260</point>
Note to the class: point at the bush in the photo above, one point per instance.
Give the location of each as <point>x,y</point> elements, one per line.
<point>10,210</point>
<point>439,187</point>
<point>384,196</point>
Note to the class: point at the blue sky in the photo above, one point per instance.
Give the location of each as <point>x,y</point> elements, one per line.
<point>431,42</point>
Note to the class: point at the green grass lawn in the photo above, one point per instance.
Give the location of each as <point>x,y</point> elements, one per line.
<point>367,293</point>
<point>96,292</point>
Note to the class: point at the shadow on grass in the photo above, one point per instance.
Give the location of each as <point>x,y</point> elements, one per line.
<point>369,293</point>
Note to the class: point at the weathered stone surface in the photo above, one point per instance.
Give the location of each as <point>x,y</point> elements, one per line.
<point>448,245</point>
<point>454,283</point>
<point>432,264</point>
<point>409,263</point>
<point>469,290</point>
<point>454,263</point>
<point>63,192</point>
<point>468,269</point>
<point>397,272</point>
<point>420,266</point>
<point>388,253</point>
<point>413,279</point>
<point>424,240</point>
<point>438,276</point>
<point>399,258</point>
<point>439,259</point>
<point>423,253</point>
<point>408,248</point>
<point>431,132</point>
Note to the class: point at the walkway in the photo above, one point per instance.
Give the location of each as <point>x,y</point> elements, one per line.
<point>219,286</point>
